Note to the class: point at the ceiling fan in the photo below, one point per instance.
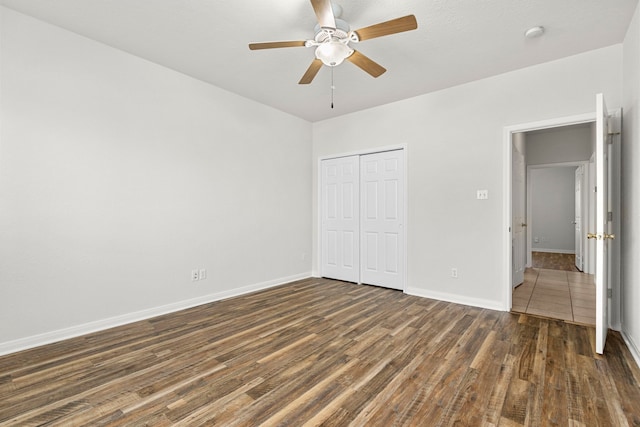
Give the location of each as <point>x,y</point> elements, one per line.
<point>332,38</point>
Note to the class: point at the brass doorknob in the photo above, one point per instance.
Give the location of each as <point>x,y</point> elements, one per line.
<point>523,224</point>
<point>600,236</point>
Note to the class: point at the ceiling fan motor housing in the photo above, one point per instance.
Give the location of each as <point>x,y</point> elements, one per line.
<point>341,31</point>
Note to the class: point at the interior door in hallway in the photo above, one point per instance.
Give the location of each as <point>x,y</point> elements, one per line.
<point>518,219</point>
<point>382,216</point>
<point>579,244</point>
<point>340,213</point>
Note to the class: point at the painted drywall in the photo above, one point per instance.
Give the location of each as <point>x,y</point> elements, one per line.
<point>454,140</point>
<point>118,177</point>
<point>553,209</point>
<point>559,145</point>
<point>630,232</point>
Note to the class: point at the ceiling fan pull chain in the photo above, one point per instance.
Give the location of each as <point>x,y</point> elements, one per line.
<point>332,87</point>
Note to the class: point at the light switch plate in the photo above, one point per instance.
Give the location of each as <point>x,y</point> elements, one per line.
<point>482,194</point>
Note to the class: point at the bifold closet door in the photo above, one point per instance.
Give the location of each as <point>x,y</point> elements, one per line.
<point>362,210</point>
<point>381,219</point>
<point>340,237</point>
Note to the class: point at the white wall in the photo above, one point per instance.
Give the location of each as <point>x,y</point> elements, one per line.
<point>454,143</point>
<point>560,145</point>
<point>631,187</point>
<point>553,209</point>
<point>118,177</point>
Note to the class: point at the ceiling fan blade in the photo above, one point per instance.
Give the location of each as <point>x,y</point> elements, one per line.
<point>311,72</point>
<point>398,25</point>
<point>273,45</point>
<point>324,12</point>
<point>366,64</point>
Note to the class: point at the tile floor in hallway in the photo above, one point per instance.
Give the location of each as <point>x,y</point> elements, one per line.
<point>557,294</point>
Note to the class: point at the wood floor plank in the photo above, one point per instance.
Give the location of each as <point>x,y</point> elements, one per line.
<point>323,352</point>
<point>537,379</point>
<point>498,394</point>
<point>517,401</point>
<point>486,369</point>
<point>554,401</point>
<point>624,375</point>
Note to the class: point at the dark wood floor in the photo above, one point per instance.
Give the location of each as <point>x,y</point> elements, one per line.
<point>553,261</point>
<point>320,352</point>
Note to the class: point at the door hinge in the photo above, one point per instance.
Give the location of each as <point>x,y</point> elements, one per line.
<point>609,293</point>
<point>613,125</point>
<point>609,216</point>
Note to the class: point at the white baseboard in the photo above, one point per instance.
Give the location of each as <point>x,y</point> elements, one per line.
<point>457,299</point>
<point>554,251</point>
<point>633,348</point>
<point>100,325</point>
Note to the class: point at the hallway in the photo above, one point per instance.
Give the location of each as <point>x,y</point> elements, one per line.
<point>551,289</point>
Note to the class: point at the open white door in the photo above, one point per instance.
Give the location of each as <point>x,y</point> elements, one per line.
<point>340,215</point>
<point>518,242</point>
<point>601,234</point>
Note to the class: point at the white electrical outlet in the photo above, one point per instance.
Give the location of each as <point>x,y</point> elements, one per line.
<point>202,274</point>
<point>194,275</point>
<point>454,273</point>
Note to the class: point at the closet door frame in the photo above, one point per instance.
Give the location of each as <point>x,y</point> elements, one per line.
<point>405,229</point>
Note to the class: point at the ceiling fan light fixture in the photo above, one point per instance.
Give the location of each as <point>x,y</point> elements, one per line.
<point>333,52</point>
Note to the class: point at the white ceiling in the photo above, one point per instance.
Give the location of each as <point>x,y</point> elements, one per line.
<point>456,41</point>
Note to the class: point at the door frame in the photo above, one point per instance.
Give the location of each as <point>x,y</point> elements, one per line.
<point>530,219</point>
<point>362,152</point>
<point>507,148</point>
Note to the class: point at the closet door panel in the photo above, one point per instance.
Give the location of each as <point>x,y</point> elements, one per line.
<point>340,215</point>
<point>382,202</point>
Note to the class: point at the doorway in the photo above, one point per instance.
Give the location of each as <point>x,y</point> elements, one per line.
<point>556,206</point>
<point>607,181</point>
<point>512,139</point>
<point>362,218</point>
